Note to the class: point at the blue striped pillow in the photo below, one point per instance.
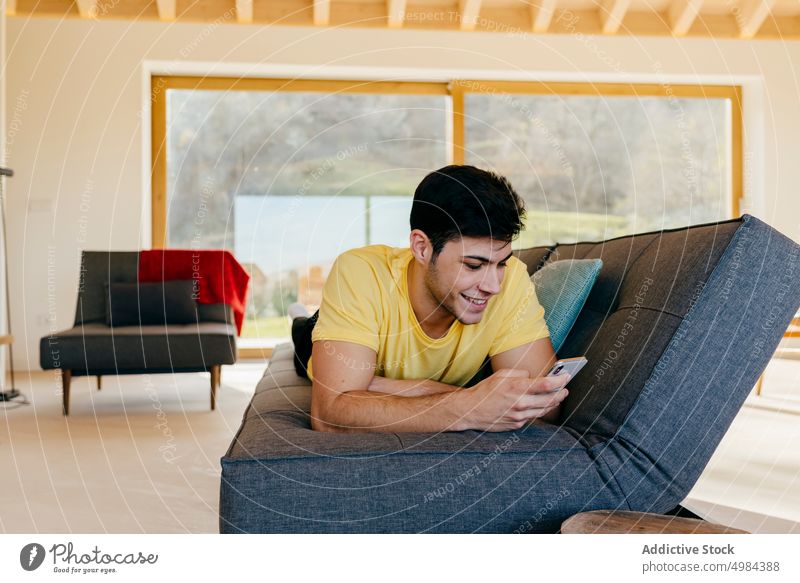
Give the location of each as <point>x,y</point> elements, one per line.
<point>562,288</point>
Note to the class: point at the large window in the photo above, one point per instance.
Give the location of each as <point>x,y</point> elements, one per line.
<point>288,174</point>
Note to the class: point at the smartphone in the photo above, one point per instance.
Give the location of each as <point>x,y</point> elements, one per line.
<point>569,366</point>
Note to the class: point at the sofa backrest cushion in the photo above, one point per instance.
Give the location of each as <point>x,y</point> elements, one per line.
<point>99,268</point>
<point>646,287</point>
<point>534,257</point>
<point>151,303</point>
<point>215,313</point>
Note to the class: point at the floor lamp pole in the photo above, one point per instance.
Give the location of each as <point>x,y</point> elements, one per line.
<point>12,392</point>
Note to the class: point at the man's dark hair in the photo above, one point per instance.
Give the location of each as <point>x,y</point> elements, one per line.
<point>464,201</point>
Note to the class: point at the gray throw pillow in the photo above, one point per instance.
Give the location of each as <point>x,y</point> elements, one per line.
<point>151,304</point>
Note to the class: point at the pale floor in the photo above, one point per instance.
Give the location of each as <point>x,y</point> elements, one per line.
<point>142,455</point>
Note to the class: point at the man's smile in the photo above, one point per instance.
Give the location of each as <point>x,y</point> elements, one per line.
<point>475,302</point>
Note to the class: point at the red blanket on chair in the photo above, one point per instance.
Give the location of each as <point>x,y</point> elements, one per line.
<point>220,278</point>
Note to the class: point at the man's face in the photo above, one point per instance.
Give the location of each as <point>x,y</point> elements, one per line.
<point>467,272</point>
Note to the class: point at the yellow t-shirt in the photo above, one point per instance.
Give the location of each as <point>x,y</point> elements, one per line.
<point>365,300</point>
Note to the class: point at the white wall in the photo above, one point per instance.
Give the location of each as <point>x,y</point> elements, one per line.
<point>75,94</point>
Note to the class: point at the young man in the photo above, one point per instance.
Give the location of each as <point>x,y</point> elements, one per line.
<point>400,331</point>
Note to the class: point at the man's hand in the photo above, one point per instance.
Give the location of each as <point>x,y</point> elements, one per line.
<point>509,399</point>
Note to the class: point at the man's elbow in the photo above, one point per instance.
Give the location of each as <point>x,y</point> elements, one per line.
<point>321,415</point>
<point>319,422</point>
<point>320,425</point>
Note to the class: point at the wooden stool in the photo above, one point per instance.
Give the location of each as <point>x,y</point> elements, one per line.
<point>625,522</point>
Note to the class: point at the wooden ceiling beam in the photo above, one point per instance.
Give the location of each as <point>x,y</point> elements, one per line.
<point>612,13</point>
<point>469,11</point>
<point>542,15</point>
<point>87,8</point>
<point>322,12</point>
<point>752,15</point>
<point>397,13</point>
<point>166,9</point>
<point>244,11</point>
<point>678,18</point>
<point>682,14</point>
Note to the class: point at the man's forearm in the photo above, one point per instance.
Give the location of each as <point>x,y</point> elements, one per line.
<point>359,411</point>
<point>409,388</point>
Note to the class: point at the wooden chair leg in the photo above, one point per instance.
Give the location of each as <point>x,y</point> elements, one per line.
<point>215,380</point>
<point>99,382</point>
<point>66,379</point>
<point>759,385</point>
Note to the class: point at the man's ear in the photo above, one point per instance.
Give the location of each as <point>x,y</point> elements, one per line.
<point>420,246</point>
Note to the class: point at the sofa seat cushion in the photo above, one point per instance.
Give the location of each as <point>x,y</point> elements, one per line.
<point>95,348</point>
<point>395,482</point>
<point>357,481</point>
<point>151,303</point>
<point>282,477</point>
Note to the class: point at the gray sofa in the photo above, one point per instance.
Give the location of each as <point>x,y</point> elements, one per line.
<point>677,330</point>
<point>91,347</point>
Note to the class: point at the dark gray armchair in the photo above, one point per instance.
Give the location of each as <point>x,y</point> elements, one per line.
<point>92,347</point>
